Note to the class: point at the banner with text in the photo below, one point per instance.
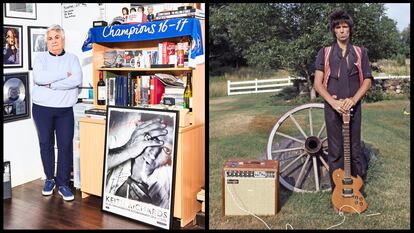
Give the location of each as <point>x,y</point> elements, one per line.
<point>151,31</point>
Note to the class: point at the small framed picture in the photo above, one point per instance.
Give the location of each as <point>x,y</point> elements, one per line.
<point>12,46</point>
<point>20,10</point>
<point>16,97</point>
<point>37,43</point>
<point>139,164</point>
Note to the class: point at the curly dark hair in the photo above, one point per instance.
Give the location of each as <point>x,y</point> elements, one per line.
<point>340,16</point>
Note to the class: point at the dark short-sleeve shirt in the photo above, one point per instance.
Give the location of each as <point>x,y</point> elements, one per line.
<point>344,79</point>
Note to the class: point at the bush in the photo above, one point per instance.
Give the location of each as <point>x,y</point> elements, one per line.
<point>406,89</point>
<point>400,58</point>
<point>375,94</point>
<point>288,93</point>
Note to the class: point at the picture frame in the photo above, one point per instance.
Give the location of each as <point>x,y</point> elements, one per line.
<point>37,42</point>
<point>139,164</point>
<point>12,46</point>
<point>21,10</point>
<point>16,97</point>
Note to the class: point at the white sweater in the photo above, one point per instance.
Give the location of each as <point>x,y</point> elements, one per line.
<point>53,70</point>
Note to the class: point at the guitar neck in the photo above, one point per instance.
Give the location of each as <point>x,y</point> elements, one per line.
<point>347,150</point>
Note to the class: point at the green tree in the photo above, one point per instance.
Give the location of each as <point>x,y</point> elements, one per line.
<point>222,52</point>
<point>405,39</point>
<point>289,35</point>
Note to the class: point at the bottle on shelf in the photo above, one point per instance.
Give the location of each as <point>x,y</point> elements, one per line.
<point>101,90</point>
<point>188,94</point>
<point>180,55</point>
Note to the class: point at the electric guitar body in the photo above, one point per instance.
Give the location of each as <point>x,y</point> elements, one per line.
<point>346,196</point>
<point>347,193</point>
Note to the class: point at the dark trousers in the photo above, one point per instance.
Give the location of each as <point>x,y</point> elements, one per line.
<point>49,120</point>
<point>336,146</point>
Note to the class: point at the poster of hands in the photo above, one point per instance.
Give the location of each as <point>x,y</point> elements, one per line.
<point>139,170</point>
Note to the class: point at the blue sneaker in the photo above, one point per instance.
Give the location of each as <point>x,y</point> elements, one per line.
<point>48,188</point>
<point>65,192</point>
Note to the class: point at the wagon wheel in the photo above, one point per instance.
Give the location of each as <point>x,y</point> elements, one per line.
<point>299,142</point>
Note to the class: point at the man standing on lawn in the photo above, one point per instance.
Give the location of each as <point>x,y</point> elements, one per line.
<point>342,77</point>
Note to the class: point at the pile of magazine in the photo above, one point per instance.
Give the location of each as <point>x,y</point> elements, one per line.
<point>174,89</point>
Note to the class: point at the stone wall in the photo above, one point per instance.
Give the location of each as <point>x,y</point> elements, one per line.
<point>393,86</point>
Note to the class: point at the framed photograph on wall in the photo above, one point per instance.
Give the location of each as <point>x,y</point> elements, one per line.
<point>12,46</point>
<point>139,164</point>
<point>16,96</point>
<point>20,10</point>
<point>37,42</point>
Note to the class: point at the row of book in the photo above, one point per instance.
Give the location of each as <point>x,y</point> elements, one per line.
<point>135,90</point>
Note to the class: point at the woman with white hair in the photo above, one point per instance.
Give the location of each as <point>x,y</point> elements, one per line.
<point>57,75</point>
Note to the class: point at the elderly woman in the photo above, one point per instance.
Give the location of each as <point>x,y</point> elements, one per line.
<point>57,75</point>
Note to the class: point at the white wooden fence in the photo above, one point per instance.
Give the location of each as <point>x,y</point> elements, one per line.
<point>258,86</point>
<point>273,85</point>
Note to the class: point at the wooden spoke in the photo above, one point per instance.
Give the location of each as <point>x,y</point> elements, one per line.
<point>315,170</point>
<point>310,121</point>
<point>292,162</point>
<point>324,162</point>
<point>290,137</point>
<point>300,177</point>
<point>322,128</point>
<point>298,126</point>
<point>286,150</point>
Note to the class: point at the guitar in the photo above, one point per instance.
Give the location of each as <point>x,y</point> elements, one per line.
<point>346,192</point>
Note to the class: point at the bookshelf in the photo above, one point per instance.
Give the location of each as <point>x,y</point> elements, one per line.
<point>190,163</point>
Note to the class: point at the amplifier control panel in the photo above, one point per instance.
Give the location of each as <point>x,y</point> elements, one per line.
<point>250,174</point>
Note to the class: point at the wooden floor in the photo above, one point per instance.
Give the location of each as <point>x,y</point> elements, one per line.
<point>29,209</point>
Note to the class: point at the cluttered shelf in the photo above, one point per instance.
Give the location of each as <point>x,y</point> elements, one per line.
<point>147,69</point>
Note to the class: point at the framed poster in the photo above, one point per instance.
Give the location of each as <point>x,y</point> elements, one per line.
<point>16,99</point>
<point>12,46</point>
<point>37,42</point>
<point>139,164</point>
<point>20,10</point>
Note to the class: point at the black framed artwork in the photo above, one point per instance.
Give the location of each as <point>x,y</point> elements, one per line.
<point>12,46</point>
<point>139,164</point>
<point>20,10</point>
<point>16,96</point>
<point>37,42</point>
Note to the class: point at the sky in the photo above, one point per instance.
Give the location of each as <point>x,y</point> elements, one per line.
<point>400,12</point>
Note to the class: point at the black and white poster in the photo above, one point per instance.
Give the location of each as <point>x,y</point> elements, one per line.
<point>139,164</point>
<point>37,43</point>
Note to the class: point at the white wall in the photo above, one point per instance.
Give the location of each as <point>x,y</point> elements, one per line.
<point>21,145</point>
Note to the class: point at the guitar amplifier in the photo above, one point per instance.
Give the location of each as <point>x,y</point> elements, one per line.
<point>250,186</point>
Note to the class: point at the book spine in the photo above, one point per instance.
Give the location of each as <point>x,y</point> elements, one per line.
<point>159,55</point>
<point>125,91</point>
<point>112,91</point>
<point>137,83</point>
<point>117,90</point>
<point>165,55</point>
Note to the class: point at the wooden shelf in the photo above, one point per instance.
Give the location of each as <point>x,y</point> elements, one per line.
<point>189,69</point>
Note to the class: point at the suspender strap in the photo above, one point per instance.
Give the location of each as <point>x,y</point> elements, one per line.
<point>358,52</point>
<point>327,68</point>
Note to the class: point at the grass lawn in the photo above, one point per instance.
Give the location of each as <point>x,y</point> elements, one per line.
<point>239,127</point>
